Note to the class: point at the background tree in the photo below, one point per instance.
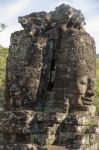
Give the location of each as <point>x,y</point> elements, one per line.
<point>3,56</point>
<point>2,27</point>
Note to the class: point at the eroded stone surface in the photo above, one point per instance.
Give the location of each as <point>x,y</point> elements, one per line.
<point>28,121</point>
<point>18,147</point>
<point>50,84</point>
<point>51,62</point>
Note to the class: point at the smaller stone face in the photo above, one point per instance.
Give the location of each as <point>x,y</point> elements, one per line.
<point>79,68</point>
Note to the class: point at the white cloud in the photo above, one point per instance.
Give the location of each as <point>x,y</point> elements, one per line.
<point>10,12</point>
<point>3,40</point>
<point>93,24</point>
<point>12,9</point>
<point>93,28</point>
<point>5,35</point>
<point>8,15</point>
<point>84,5</point>
<point>89,9</point>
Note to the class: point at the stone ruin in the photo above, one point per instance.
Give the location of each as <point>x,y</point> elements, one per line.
<point>50,84</point>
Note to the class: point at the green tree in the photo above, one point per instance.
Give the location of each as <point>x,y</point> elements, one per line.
<point>3,56</point>
<point>3,26</point>
<point>96,102</point>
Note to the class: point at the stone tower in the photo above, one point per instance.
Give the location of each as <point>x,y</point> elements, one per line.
<point>50,84</point>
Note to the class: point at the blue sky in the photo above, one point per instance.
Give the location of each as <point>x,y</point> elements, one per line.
<point>11,9</point>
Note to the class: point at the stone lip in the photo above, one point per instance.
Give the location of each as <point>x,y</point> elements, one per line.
<point>63,14</point>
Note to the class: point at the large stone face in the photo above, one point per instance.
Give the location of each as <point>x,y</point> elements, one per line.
<point>50,84</point>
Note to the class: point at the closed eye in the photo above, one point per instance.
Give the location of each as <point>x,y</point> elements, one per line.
<point>82,82</point>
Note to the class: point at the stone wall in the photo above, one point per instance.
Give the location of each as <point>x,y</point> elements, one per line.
<point>50,84</point>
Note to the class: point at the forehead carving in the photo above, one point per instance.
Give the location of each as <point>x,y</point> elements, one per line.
<point>80,59</point>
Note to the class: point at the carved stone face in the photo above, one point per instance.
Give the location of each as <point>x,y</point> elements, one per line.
<point>84,91</point>
<point>81,91</point>
<point>79,62</point>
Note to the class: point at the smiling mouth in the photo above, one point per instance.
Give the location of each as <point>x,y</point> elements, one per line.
<point>87,100</point>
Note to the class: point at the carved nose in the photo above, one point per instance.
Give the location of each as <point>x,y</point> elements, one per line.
<point>90,93</point>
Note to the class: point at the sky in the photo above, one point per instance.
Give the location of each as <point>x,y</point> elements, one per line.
<point>11,9</point>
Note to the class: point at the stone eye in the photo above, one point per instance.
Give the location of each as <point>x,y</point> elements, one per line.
<point>83,81</point>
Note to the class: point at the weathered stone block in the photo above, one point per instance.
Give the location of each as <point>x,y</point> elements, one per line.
<point>50,84</point>
<point>16,122</point>
<point>17,147</point>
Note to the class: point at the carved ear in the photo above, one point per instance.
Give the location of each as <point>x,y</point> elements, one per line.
<point>82,68</point>
<point>92,70</point>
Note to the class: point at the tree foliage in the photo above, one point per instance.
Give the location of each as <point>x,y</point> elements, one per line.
<point>96,102</point>
<point>3,56</point>
<point>3,26</point>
